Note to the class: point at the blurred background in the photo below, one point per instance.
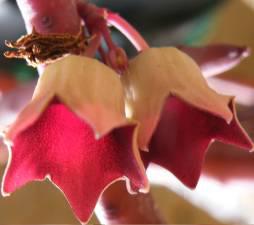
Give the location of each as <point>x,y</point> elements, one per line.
<point>225,194</point>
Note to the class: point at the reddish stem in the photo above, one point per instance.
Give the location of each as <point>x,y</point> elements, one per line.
<point>96,24</point>
<point>94,45</point>
<point>103,55</point>
<point>127,30</point>
<point>58,16</point>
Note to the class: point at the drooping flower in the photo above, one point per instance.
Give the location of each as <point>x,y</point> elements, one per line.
<point>74,132</point>
<point>179,114</point>
<point>184,134</point>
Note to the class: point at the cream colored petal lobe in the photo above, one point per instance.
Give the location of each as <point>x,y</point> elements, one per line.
<point>157,73</point>
<point>187,82</point>
<point>44,92</point>
<point>28,116</point>
<point>47,83</point>
<point>90,89</point>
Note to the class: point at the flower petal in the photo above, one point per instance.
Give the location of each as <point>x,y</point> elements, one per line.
<point>90,89</point>
<point>157,73</point>
<point>11,105</point>
<point>216,59</point>
<point>61,146</point>
<point>183,135</point>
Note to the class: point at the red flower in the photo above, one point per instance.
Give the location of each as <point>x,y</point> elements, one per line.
<point>184,134</point>
<point>179,114</point>
<point>75,135</point>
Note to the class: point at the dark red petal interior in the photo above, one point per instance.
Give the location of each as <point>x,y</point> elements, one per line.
<point>61,145</point>
<point>183,135</point>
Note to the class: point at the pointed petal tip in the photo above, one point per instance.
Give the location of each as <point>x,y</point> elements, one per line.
<point>246,52</point>
<point>191,182</point>
<point>8,137</point>
<point>252,149</point>
<point>246,141</point>
<point>144,148</point>
<point>250,143</point>
<point>146,188</point>
<point>4,193</point>
<point>134,189</point>
<point>97,135</point>
<point>193,185</point>
<point>228,117</point>
<point>238,52</point>
<point>27,116</point>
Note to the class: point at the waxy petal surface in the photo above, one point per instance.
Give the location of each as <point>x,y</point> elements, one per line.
<point>61,146</point>
<point>183,135</point>
<point>89,88</point>
<point>158,73</point>
<point>216,59</point>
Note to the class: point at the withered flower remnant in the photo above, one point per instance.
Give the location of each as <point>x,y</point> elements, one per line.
<point>39,49</point>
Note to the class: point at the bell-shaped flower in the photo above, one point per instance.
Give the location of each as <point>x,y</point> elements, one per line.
<point>74,132</point>
<point>179,114</point>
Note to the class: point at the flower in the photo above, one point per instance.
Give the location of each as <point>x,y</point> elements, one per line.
<point>75,135</point>
<point>179,114</point>
<point>75,131</point>
<point>184,134</point>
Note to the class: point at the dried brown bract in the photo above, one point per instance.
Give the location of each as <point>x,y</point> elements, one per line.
<point>45,48</point>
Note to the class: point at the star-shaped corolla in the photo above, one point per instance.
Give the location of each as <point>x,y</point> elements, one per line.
<point>75,133</point>
<point>179,114</point>
<point>184,134</point>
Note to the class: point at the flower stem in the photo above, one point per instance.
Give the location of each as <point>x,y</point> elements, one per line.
<point>93,46</point>
<point>127,30</point>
